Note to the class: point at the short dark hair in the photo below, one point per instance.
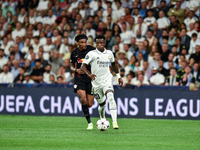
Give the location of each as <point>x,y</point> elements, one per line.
<point>100,36</point>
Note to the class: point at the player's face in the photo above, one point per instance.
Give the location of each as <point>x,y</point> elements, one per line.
<point>82,44</point>
<point>100,44</point>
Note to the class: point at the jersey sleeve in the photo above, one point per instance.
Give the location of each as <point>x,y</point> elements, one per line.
<point>112,59</point>
<point>72,59</point>
<point>88,58</point>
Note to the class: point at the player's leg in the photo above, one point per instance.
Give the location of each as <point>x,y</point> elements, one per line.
<point>112,107</point>
<point>85,109</point>
<point>89,95</point>
<point>102,109</point>
<point>101,99</point>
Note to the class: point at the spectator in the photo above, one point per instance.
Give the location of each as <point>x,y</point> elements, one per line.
<point>55,61</point>
<point>15,68</point>
<point>132,61</point>
<point>173,78</point>
<point>122,74</point>
<point>161,69</point>
<point>150,20</point>
<point>27,79</point>
<point>142,50</point>
<point>52,79</point>
<point>20,77</point>
<point>127,68</point>
<point>47,73</point>
<point>172,39</point>
<point>22,15</point>
<point>174,24</point>
<point>141,25</point>
<point>19,31</point>
<point>136,15</point>
<point>185,39</point>
<point>110,40</point>
<point>196,55</point>
<point>187,79</point>
<point>154,49</point>
<point>143,9</point>
<point>60,80</point>
<point>157,32</point>
<point>146,70</point>
<point>170,58</point>
<point>150,38</point>
<point>48,48</point>
<point>132,49</point>
<point>193,43</point>
<point>177,11</point>
<point>154,62</point>
<point>90,31</point>
<point>120,57</point>
<point>116,30</point>
<point>163,22</point>
<point>165,52</point>
<point>139,37</point>
<point>140,81</point>
<point>194,6</point>
<point>126,34</point>
<point>37,71</point>
<point>119,11</point>
<point>163,6</point>
<point>40,57</point>
<point>6,76</point>
<point>51,18</point>
<point>5,46</point>
<point>129,78</point>
<point>190,19</point>
<point>156,78</point>
<point>7,8</point>
<point>181,71</point>
<point>196,73</point>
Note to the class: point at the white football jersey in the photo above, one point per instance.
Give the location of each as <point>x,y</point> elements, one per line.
<point>100,62</point>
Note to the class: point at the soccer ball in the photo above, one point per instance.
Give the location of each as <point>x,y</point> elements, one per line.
<point>103,124</point>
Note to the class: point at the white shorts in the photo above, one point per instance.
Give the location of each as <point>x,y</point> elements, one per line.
<point>99,92</point>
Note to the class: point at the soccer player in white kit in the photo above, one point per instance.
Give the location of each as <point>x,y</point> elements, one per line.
<point>101,77</point>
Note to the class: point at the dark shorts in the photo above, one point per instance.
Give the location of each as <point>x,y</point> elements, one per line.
<point>80,85</point>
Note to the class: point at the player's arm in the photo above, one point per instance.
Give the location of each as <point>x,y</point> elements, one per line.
<point>74,69</point>
<point>115,67</point>
<point>84,69</point>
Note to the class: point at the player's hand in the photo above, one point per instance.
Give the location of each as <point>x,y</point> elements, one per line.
<point>92,76</point>
<point>79,71</point>
<point>120,81</point>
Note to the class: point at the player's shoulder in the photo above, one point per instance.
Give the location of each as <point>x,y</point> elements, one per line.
<point>74,51</point>
<point>89,47</point>
<point>92,52</point>
<point>109,52</point>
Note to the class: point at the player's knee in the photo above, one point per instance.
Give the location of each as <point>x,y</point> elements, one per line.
<point>111,100</point>
<point>90,104</point>
<point>83,100</point>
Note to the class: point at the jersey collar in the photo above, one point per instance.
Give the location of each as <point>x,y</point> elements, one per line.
<point>99,52</point>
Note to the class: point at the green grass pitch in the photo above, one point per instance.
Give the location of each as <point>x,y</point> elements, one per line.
<point>62,133</point>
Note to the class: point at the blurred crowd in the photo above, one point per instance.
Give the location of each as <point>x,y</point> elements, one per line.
<point>155,42</point>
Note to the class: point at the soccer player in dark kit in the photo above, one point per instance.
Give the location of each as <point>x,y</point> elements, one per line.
<point>82,83</point>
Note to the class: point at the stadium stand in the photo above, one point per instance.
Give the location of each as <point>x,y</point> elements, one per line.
<point>155,42</point>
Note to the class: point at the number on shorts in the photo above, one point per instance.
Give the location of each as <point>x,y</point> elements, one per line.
<point>97,96</point>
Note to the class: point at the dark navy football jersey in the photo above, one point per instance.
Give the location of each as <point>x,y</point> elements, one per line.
<point>77,57</point>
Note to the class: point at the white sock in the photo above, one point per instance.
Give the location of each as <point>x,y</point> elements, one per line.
<point>102,110</point>
<point>112,106</point>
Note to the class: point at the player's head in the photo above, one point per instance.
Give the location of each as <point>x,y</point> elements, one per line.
<point>81,40</point>
<point>100,42</point>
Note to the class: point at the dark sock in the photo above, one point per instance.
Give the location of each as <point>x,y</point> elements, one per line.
<point>86,112</point>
